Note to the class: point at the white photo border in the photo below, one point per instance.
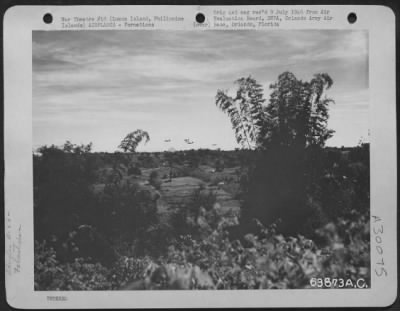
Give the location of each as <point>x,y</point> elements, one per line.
<point>20,21</point>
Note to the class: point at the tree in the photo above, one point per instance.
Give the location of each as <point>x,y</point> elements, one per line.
<point>245,110</point>
<point>133,139</point>
<point>294,119</point>
<point>296,115</point>
<point>69,147</point>
<point>62,179</point>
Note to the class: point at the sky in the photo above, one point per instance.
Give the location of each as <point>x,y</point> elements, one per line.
<point>97,86</point>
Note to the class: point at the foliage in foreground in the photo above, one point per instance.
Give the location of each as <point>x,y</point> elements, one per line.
<point>266,261</point>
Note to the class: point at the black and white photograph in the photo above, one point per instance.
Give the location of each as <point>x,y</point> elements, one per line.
<point>213,160</point>
<point>200,156</point>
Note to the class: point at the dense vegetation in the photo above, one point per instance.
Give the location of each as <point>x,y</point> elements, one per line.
<point>282,212</point>
<point>97,225</point>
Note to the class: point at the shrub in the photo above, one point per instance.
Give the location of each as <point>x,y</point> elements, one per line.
<point>275,261</point>
<point>77,275</point>
<point>219,165</point>
<point>125,210</point>
<point>81,275</point>
<point>127,269</point>
<point>47,270</point>
<point>134,170</point>
<point>155,180</point>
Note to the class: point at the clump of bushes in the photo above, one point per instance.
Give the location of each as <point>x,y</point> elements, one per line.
<point>82,274</point>
<point>270,260</point>
<point>134,170</point>
<point>127,269</point>
<point>266,260</point>
<point>50,274</point>
<point>155,180</point>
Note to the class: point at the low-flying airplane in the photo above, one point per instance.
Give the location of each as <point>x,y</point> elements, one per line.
<point>188,141</point>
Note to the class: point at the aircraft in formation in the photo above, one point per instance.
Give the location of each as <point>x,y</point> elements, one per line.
<point>187,140</point>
